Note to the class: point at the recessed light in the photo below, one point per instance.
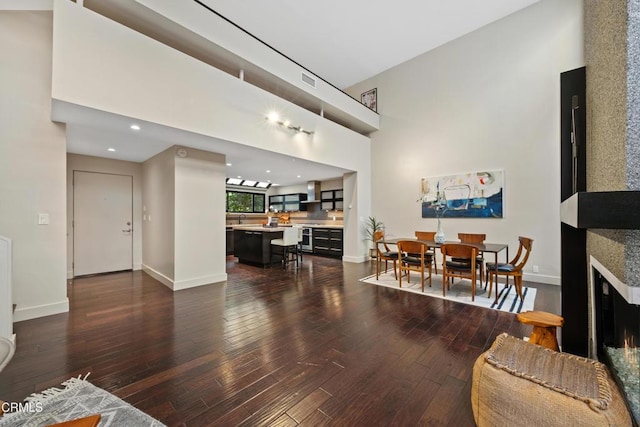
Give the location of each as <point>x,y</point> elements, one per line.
<point>273,117</point>
<point>299,176</point>
<point>135,127</point>
<point>268,171</point>
<point>111,149</point>
<point>229,164</point>
<point>239,176</point>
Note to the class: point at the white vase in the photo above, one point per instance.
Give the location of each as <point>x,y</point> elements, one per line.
<point>439,237</point>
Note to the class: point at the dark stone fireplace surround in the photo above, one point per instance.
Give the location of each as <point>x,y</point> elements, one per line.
<point>600,211</point>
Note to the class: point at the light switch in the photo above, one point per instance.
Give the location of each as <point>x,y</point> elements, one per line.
<point>43,219</point>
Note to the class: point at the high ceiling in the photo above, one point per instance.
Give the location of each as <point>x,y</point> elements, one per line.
<point>346,42</point>
<point>341,42</point>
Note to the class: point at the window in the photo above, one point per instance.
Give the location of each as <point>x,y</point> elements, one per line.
<point>238,201</point>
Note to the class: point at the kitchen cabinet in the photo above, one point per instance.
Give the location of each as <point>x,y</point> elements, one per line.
<point>331,200</point>
<point>327,241</point>
<point>288,202</point>
<point>252,245</point>
<point>229,241</point>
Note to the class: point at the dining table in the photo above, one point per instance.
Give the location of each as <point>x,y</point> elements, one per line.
<point>494,248</point>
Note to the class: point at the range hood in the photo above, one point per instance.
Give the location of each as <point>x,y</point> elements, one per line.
<point>313,192</point>
<point>602,209</point>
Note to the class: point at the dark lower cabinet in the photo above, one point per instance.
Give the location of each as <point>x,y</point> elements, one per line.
<point>254,247</point>
<point>327,241</point>
<point>229,241</point>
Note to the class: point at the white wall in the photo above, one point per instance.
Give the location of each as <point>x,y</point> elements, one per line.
<point>184,240</point>
<point>221,32</point>
<point>489,100</point>
<point>102,65</point>
<point>158,216</point>
<point>200,234</point>
<point>32,166</point>
<point>78,162</point>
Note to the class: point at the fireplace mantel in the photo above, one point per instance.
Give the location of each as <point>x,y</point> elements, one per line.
<point>602,209</point>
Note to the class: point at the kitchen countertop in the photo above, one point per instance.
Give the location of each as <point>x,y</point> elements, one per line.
<point>250,227</point>
<point>280,228</point>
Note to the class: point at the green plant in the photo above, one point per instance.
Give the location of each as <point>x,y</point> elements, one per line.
<point>373,225</point>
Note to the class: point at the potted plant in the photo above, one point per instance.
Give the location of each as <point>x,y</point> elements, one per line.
<point>372,225</point>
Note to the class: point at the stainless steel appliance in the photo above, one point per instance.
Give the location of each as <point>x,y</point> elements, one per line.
<point>307,239</point>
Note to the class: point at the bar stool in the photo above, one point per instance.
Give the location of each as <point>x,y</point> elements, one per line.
<point>544,327</point>
<point>289,245</point>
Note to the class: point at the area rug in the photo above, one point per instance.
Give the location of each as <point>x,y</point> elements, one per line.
<point>460,291</point>
<point>79,398</point>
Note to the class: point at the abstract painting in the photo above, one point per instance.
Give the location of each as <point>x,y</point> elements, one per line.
<point>468,195</point>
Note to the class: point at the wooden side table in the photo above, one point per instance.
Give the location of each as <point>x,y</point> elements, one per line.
<point>90,421</point>
<point>544,327</point>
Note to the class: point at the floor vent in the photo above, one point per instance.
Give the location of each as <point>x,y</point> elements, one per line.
<point>308,80</point>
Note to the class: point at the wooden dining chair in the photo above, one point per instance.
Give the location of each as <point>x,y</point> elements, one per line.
<point>429,236</point>
<point>458,261</point>
<point>413,256</point>
<point>475,238</point>
<point>511,269</point>
<point>385,254</point>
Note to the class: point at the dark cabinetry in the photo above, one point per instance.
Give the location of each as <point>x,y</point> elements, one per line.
<point>331,200</point>
<point>229,241</point>
<point>288,202</point>
<point>254,247</point>
<point>327,241</point>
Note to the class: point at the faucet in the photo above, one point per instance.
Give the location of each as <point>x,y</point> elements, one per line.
<point>240,218</point>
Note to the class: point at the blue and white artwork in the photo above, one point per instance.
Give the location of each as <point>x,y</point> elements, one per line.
<point>469,195</point>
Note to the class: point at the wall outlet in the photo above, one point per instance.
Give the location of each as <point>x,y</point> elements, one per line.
<point>536,269</point>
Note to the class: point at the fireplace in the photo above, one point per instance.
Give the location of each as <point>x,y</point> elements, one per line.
<point>616,329</point>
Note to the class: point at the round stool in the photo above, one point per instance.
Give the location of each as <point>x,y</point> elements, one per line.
<point>544,327</point>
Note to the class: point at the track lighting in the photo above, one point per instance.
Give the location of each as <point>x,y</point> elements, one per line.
<point>273,118</point>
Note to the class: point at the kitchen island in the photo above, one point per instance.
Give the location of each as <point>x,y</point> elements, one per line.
<point>252,244</point>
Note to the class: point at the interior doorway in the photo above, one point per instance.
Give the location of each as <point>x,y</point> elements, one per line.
<point>102,223</point>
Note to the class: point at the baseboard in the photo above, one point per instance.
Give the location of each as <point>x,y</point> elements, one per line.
<point>176,285</point>
<point>137,267</point>
<point>69,274</point>
<point>355,259</point>
<point>27,313</point>
<point>541,278</point>
<point>199,281</point>
<point>168,282</point>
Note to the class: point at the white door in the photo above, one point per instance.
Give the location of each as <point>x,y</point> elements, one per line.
<point>102,223</point>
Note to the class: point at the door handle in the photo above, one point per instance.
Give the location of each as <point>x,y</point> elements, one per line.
<point>127,231</point>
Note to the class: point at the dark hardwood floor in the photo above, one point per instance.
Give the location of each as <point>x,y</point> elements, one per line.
<point>271,347</point>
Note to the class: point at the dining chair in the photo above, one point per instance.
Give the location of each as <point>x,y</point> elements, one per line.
<point>430,236</point>
<point>475,238</point>
<point>289,245</point>
<point>413,256</point>
<point>385,255</point>
<point>458,260</point>
<point>511,269</point>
